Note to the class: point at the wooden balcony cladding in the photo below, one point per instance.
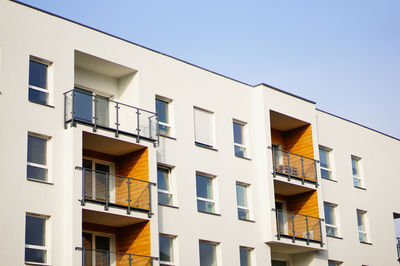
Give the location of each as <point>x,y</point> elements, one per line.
<point>298,140</point>
<point>304,203</point>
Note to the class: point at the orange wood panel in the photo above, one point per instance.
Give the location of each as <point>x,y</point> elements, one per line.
<point>98,155</point>
<point>299,141</point>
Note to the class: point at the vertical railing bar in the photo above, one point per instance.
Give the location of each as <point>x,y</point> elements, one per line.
<point>302,170</point>
<point>65,111</point>
<point>117,119</point>
<point>94,99</point>
<point>73,109</point>
<point>288,162</point>
<point>83,255</point>
<point>108,258</point>
<point>316,174</point>
<point>320,232</point>
<point>107,191</point>
<point>138,126</point>
<point>130,260</point>
<point>150,134</point>
<point>83,187</point>
<point>273,161</point>
<point>307,232</point>
<point>278,224</point>
<point>158,130</point>
<point>129,196</point>
<point>293,231</point>
<point>150,210</point>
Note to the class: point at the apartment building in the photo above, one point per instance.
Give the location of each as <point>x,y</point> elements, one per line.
<point>116,154</point>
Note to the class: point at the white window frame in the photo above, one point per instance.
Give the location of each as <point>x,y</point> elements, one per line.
<point>211,145</point>
<point>364,222</point>
<point>170,192</point>
<point>360,177</point>
<point>335,220</point>
<point>250,253</point>
<point>169,110</point>
<point>213,188</point>
<point>173,262</point>
<point>112,245</point>
<point>329,152</point>
<point>244,138</point>
<point>248,200</point>
<point>46,155</point>
<point>46,239</point>
<point>49,79</point>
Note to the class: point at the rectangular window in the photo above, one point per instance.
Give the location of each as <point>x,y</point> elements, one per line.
<point>242,201</point>
<point>362,228</point>
<point>325,163</point>
<point>205,193</point>
<point>38,82</point>
<point>166,250</point>
<point>357,178</point>
<point>330,219</point>
<point>204,128</point>
<point>163,111</point>
<point>239,138</point>
<point>164,186</point>
<point>245,256</point>
<point>37,158</point>
<point>35,239</point>
<point>208,253</point>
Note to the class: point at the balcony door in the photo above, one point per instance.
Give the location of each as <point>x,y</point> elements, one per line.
<point>97,247</point>
<point>87,103</point>
<point>99,179</point>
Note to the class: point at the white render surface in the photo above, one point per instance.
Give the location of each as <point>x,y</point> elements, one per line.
<point>135,75</point>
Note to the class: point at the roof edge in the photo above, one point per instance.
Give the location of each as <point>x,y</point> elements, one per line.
<point>358,124</point>
<point>285,92</point>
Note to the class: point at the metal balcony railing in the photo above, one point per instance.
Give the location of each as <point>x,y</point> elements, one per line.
<point>298,227</point>
<point>114,190</point>
<point>398,248</point>
<point>100,112</point>
<point>294,166</point>
<point>98,257</point>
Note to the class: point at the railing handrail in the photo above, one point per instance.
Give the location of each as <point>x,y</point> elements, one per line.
<point>273,148</point>
<point>117,175</point>
<point>119,103</point>
<point>117,252</point>
<point>322,219</point>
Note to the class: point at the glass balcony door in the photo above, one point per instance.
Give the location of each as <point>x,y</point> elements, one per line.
<point>99,183</point>
<point>86,103</point>
<point>97,249</point>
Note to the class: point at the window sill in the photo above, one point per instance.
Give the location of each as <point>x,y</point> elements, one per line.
<point>212,213</point>
<point>336,237</point>
<point>247,220</point>
<point>205,146</point>
<point>40,181</point>
<point>249,159</point>
<point>329,179</point>
<point>362,188</point>
<point>167,137</point>
<point>47,105</point>
<point>36,263</point>
<point>166,205</point>
<point>366,243</point>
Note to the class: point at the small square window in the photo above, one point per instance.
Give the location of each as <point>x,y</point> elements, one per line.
<point>208,253</point>
<point>165,195</point>
<point>35,239</point>
<point>205,193</point>
<point>245,256</point>
<point>242,201</point>
<point>356,170</point>
<point>166,250</point>
<point>163,110</point>
<point>325,162</point>
<point>331,219</point>
<point>38,81</point>
<point>37,158</point>
<point>239,138</point>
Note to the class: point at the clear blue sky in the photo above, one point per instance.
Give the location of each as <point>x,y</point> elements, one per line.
<point>345,55</point>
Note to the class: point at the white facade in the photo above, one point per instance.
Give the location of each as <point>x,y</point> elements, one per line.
<point>78,56</point>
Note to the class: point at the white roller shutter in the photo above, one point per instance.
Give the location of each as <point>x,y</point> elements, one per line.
<point>204,126</point>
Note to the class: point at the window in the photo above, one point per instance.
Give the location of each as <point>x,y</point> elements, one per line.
<point>164,117</point>
<point>37,158</point>
<point>208,254</point>
<point>166,250</point>
<point>239,138</point>
<point>355,164</point>
<point>99,179</point>
<point>164,185</point>
<point>205,193</point>
<point>204,128</point>
<point>245,256</point>
<point>35,239</point>
<point>330,219</point>
<point>38,81</point>
<point>97,247</point>
<point>325,163</point>
<point>362,228</point>
<point>334,263</point>
<point>242,201</point>
<point>87,104</point>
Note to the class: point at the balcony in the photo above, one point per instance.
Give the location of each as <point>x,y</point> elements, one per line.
<point>113,190</point>
<point>294,166</point>
<point>99,257</point>
<point>298,227</point>
<point>99,112</point>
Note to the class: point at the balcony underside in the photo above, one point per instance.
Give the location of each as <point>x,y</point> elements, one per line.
<point>285,246</point>
<point>108,219</point>
<point>285,188</point>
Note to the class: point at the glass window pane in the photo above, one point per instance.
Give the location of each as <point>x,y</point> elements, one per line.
<point>36,150</point>
<point>204,187</point>
<point>205,206</point>
<point>164,130</point>
<point>164,198</point>
<point>83,105</point>
<point>354,164</point>
<point>166,252</point>
<point>331,231</point>
<point>241,195</point>
<point>240,151</point>
<point>35,231</point>
<point>238,133</point>
<point>34,172</point>
<point>162,110</point>
<point>38,96</point>
<point>243,214</point>
<point>102,112</point>
<point>162,178</point>
<point>323,158</point>
<point>328,213</point>
<point>37,74</point>
<point>244,257</point>
<point>325,174</point>
<point>360,221</point>
<point>207,254</point>
<point>35,255</point>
